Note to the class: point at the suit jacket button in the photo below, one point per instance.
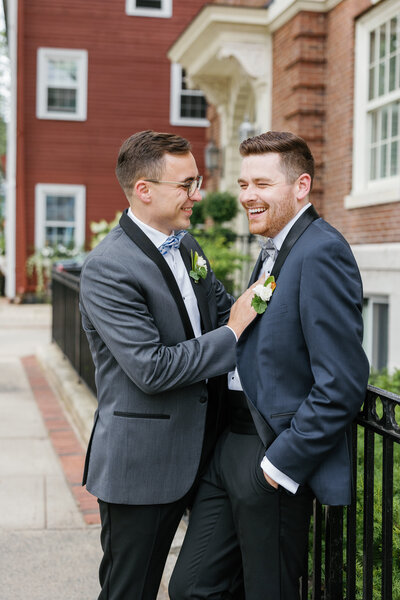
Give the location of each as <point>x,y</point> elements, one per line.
<point>203,399</point>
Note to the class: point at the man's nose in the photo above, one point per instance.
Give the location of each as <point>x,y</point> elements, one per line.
<point>247,194</point>
<point>196,197</point>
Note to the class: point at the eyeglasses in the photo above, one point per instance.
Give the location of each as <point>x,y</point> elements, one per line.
<point>190,186</point>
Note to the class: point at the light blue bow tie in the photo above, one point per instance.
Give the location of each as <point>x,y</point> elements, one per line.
<point>172,241</point>
<point>268,249</point>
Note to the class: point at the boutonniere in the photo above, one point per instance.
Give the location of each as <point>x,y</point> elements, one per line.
<point>199,267</point>
<point>262,295</point>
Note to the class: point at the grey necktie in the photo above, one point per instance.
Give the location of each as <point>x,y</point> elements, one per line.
<point>268,249</point>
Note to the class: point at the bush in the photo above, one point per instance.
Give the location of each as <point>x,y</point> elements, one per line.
<point>220,206</point>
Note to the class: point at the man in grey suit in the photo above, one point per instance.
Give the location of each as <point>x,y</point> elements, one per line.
<point>159,342</point>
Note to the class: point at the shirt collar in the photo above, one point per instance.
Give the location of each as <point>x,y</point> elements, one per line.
<point>155,236</point>
<point>280,237</point>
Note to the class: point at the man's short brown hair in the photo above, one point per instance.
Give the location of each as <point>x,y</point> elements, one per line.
<point>142,156</point>
<point>296,157</point>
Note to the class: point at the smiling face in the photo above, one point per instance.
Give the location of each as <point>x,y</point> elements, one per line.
<point>269,200</point>
<point>164,206</point>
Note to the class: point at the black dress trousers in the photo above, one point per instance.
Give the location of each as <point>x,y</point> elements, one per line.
<point>240,521</point>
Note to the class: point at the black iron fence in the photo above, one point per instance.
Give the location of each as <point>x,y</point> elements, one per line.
<point>355,550</point>
<point>67,329</point>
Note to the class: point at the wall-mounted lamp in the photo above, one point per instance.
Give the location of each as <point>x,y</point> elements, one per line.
<point>246,129</point>
<point>212,156</point>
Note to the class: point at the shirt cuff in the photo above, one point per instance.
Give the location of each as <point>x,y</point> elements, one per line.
<point>278,476</point>
<point>236,337</point>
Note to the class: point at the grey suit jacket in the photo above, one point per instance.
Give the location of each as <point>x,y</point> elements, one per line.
<point>152,396</point>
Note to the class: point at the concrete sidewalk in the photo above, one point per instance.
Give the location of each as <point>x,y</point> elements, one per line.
<point>49,531</point>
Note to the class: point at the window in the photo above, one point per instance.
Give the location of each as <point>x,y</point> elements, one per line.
<point>60,215</point>
<point>188,107</point>
<point>149,8</point>
<point>376,157</point>
<point>61,84</point>
<point>376,319</point>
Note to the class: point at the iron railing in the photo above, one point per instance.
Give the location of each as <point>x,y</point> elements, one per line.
<point>67,329</point>
<point>351,548</point>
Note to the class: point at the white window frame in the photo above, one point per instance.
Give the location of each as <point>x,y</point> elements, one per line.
<point>381,191</point>
<point>165,12</point>
<point>44,189</point>
<point>43,57</point>
<point>175,101</point>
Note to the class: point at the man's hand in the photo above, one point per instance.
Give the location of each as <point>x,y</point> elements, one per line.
<point>242,313</point>
<point>270,481</point>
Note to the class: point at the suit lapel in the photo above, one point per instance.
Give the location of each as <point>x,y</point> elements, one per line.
<point>296,231</point>
<point>198,288</point>
<point>146,245</point>
<point>256,270</point>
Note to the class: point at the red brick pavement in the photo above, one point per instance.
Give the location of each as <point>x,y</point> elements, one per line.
<point>65,442</point>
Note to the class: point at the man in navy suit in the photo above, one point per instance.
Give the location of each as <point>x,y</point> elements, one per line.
<point>301,378</point>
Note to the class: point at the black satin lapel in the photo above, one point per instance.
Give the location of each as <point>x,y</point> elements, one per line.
<point>256,270</point>
<point>146,245</point>
<point>296,231</point>
<point>198,288</point>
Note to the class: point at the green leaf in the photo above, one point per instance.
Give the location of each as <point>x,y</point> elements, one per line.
<point>194,275</point>
<point>258,305</point>
<point>202,271</point>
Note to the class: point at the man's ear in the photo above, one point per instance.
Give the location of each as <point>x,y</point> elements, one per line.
<point>303,186</point>
<point>142,191</point>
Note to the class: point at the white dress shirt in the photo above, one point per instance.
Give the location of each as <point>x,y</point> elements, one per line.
<point>233,377</point>
<point>177,266</point>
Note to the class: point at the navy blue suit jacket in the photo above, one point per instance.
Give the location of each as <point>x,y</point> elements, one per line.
<point>302,365</point>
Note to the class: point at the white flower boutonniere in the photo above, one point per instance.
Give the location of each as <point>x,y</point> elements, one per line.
<point>199,267</point>
<point>262,295</point>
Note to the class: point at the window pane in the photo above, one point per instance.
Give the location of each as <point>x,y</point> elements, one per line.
<point>394,158</point>
<point>380,336</point>
<point>381,90</point>
<point>60,235</point>
<point>193,106</point>
<point>372,38</point>
<point>373,164</point>
<point>384,124</point>
<point>149,4</point>
<point>395,119</point>
<point>61,99</point>
<point>383,161</point>
<point>371,83</point>
<point>374,127</point>
<point>62,72</point>
<point>382,41</point>
<point>392,73</point>
<point>60,208</point>
<point>393,35</point>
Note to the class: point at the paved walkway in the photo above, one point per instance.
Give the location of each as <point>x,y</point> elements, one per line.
<point>49,531</point>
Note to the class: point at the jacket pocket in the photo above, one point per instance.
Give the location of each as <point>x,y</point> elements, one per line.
<point>130,415</point>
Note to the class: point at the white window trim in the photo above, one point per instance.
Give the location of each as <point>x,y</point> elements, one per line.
<point>81,56</point>
<point>165,12</point>
<point>381,191</point>
<point>44,189</point>
<point>175,101</point>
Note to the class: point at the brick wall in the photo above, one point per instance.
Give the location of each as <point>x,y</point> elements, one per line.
<point>298,90</point>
